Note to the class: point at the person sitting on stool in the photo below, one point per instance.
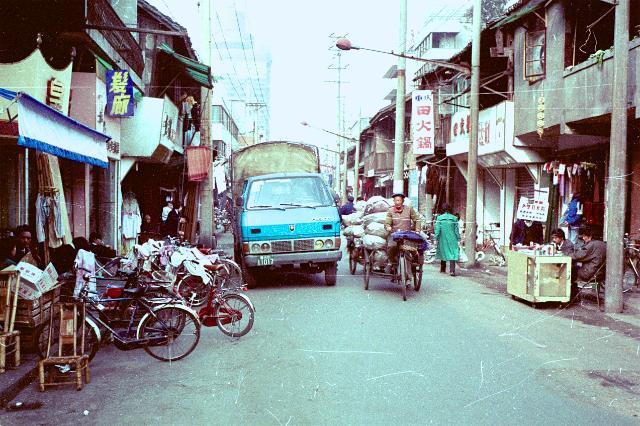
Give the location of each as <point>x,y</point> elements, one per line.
<point>592,255</point>
<point>563,245</point>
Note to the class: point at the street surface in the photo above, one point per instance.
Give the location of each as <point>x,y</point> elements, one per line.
<point>456,352</point>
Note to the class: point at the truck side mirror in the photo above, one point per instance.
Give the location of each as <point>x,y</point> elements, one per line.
<point>239,202</point>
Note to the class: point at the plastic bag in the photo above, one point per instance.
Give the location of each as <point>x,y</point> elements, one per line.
<point>377,229</point>
<point>358,231</point>
<point>377,204</point>
<point>375,217</point>
<point>462,256</point>
<point>380,258</point>
<point>372,242</point>
<point>352,219</point>
<point>348,231</point>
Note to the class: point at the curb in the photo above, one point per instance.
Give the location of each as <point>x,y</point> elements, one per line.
<point>18,384</point>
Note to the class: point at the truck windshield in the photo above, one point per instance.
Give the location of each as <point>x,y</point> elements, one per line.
<point>292,192</point>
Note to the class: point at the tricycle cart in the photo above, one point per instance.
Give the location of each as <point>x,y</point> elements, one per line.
<point>410,266</point>
<point>356,253</point>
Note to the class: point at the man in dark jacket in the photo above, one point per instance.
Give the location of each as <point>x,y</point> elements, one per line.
<point>348,207</point>
<point>563,245</point>
<point>592,255</point>
<point>525,232</point>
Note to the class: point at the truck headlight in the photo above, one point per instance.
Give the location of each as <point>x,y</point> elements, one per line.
<point>318,245</point>
<point>328,244</point>
<point>265,247</point>
<point>255,247</point>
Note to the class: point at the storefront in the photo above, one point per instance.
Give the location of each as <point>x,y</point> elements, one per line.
<point>56,150</point>
<point>503,162</point>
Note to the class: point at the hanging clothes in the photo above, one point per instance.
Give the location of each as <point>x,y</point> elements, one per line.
<point>131,222</point>
<point>49,220</point>
<point>85,264</point>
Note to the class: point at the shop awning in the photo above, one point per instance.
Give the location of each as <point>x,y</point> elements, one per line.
<point>45,129</point>
<point>200,73</point>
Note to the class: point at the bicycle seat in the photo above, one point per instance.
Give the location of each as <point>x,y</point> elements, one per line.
<point>134,292</point>
<point>127,274</point>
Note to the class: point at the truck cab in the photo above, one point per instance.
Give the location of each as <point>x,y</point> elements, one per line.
<point>287,221</point>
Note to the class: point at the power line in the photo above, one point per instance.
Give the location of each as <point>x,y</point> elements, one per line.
<point>229,53</point>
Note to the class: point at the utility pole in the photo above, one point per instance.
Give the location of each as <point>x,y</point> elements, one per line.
<point>341,182</point>
<point>398,155</point>
<point>207,225</point>
<point>616,185</point>
<point>356,164</point>
<point>472,161</point>
<point>257,106</point>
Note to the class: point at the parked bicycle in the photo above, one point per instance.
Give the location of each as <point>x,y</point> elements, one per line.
<point>166,330</point>
<point>490,247</point>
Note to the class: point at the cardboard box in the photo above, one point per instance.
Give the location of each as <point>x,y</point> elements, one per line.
<point>30,281</point>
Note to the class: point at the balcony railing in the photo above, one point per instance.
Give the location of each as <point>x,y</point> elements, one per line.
<point>100,12</point>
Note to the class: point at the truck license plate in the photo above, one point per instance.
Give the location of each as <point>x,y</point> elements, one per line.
<point>265,260</point>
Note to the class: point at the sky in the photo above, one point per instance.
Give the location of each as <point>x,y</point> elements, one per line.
<point>296,32</point>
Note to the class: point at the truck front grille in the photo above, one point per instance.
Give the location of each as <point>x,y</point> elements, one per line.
<point>281,246</point>
<point>303,245</point>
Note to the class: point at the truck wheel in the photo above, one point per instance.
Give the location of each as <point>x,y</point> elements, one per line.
<point>248,276</point>
<point>330,273</point>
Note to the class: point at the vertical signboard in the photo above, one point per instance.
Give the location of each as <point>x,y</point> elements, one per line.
<point>119,93</point>
<point>422,122</point>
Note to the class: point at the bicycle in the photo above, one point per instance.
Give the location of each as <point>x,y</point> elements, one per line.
<point>490,246</point>
<point>134,321</point>
<point>226,309</point>
<point>410,266</point>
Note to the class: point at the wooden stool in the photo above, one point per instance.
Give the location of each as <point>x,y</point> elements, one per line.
<point>69,316</point>
<point>9,336</point>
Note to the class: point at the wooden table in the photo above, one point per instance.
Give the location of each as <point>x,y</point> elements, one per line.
<point>539,279</point>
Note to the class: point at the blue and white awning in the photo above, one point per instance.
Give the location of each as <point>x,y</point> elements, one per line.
<point>46,129</point>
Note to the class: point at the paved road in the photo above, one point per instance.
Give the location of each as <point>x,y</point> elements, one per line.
<point>456,352</point>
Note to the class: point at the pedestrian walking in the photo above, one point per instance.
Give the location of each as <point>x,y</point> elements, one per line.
<point>447,238</point>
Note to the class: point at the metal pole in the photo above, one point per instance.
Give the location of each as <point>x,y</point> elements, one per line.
<point>398,157</point>
<point>446,195</point>
<point>472,166</point>
<point>339,112</point>
<point>616,186</point>
<point>356,163</point>
<point>207,225</point>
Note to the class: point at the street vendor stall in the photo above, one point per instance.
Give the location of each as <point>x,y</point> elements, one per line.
<point>539,278</point>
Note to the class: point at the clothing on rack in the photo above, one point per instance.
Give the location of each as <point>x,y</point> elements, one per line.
<point>49,220</point>
<point>85,263</point>
<point>131,222</point>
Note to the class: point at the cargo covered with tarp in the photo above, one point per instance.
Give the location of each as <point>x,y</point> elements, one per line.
<point>272,157</point>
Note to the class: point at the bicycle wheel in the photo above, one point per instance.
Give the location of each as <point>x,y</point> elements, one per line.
<point>232,276</point>
<point>402,269</point>
<point>353,261</point>
<point>193,290</point>
<point>628,279</point>
<point>417,276</point>
<point>91,340</point>
<point>234,315</point>
<point>367,269</point>
<point>173,331</point>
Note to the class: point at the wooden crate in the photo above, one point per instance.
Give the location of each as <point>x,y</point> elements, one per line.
<point>32,313</point>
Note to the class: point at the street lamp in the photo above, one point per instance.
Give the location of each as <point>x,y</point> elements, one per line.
<point>345,44</point>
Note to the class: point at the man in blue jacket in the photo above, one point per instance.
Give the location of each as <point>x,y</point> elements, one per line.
<point>348,207</point>
<point>572,219</point>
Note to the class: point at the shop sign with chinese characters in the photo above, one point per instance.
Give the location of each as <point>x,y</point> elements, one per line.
<point>491,130</point>
<point>422,122</point>
<point>119,93</point>
<point>532,209</point>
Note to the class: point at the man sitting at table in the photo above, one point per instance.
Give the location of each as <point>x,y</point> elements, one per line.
<point>592,255</point>
<point>563,245</point>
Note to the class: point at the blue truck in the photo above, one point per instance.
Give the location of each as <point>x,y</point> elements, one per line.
<point>285,216</point>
